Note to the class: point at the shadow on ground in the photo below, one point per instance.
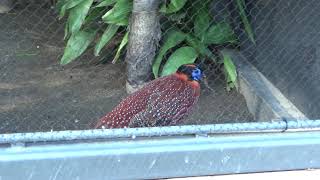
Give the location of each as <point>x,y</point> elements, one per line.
<point>37,94</point>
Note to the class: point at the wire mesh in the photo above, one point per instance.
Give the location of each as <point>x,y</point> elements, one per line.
<point>286,50</point>
<point>39,94</point>
<point>136,133</point>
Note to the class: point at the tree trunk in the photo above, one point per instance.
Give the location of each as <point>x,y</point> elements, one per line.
<point>143,40</point>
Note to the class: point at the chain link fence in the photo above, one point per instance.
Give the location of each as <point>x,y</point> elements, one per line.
<point>286,51</point>
<point>39,94</point>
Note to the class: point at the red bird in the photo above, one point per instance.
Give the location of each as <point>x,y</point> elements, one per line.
<point>162,102</point>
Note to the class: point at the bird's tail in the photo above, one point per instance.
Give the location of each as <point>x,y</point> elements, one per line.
<point>99,124</point>
<point>96,124</point>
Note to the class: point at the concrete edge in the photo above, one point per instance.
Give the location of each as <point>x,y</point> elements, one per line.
<point>5,6</point>
<point>263,99</point>
<point>312,174</point>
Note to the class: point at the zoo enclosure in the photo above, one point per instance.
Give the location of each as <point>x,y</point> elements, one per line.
<point>284,50</point>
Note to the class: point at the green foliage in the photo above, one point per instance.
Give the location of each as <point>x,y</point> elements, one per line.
<point>202,23</point>
<point>200,47</point>
<point>174,6</point>
<point>106,37</point>
<point>190,32</point>
<point>220,33</point>
<point>172,38</point>
<point>244,18</point>
<point>105,3</point>
<point>199,37</point>
<point>119,14</point>
<point>230,71</point>
<point>82,14</point>
<point>121,46</point>
<point>76,45</point>
<point>77,16</point>
<point>65,5</point>
<point>183,55</point>
<point>94,15</point>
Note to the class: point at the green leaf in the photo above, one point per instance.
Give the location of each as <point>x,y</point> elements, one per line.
<point>105,38</point>
<point>67,5</point>
<point>76,45</point>
<point>202,23</point>
<point>119,14</point>
<point>220,33</point>
<point>105,3</point>
<point>121,46</point>
<point>94,14</point>
<point>230,71</point>
<point>243,15</point>
<point>60,3</point>
<point>200,47</point>
<point>183,55</point>
<point>174,6</point>
<point>65,31</point>
<point>243,3</point>
<point>77,15</point>
<point>62,12</point>
<point>171,39</point>
<point>177,17</point>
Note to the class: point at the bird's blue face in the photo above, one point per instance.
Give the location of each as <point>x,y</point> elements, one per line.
<point>196,74</point>
<point>192,71</point>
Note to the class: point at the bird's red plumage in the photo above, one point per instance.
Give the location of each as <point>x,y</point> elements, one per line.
<point>161,102</point>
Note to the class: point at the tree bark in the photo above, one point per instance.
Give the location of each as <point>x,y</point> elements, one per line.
<point>144,36</point>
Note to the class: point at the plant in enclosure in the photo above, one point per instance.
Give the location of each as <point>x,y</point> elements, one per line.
<point>192,39</point>
<point>198,37</point>
<point>84,21</point>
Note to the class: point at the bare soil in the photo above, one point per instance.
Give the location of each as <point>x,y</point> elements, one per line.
<point>38,94</point>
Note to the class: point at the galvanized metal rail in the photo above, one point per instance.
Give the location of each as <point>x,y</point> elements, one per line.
<point>150,158</point>
<point>274,126</point>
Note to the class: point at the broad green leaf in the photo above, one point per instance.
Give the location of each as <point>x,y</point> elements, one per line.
<point>60,3</point>
<point>65,31</point>
<point>230,71</point>
<point>105,3</point>
<point>202,23</point>
<point>243,3</point>
<point>220,33</point>
<point>243,15</point>
<point>77,15</point>
<point>94,14</point>
<point>200,47</point>
<point>62,12</point>
<point>76,45</point>
<point>177,17</point>
<point>119,14</point>
<point>183,55</point>
<point>174,6</point>
<point>68,5</point>
<point>171,39</point>
<point>105,38</point>
<point>121,46</point>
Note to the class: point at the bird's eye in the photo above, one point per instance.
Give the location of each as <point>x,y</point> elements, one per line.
<point>197,71</point>
<point>196,74</point>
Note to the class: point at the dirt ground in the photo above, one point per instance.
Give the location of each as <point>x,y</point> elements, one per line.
<point>37,94</point>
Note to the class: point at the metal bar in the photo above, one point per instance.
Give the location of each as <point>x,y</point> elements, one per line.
<point>275,126</point>
<point>163,158</point>
<point>312,174</point>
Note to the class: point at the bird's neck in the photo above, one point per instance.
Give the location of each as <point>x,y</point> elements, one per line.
<point>184,77</point>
